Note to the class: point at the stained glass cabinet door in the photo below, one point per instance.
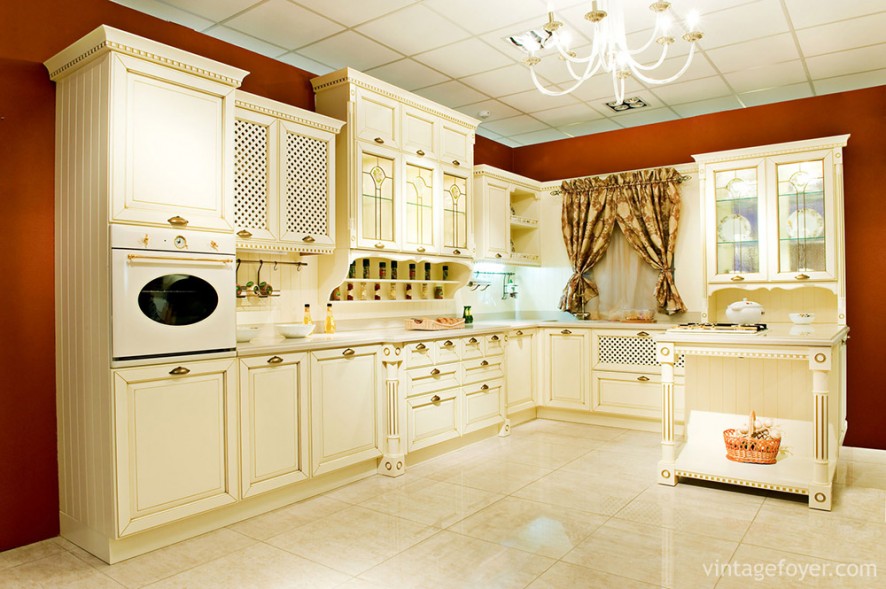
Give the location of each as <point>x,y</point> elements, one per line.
<point>376,205</point>
<point>419,233</point>
<point>456,214</point>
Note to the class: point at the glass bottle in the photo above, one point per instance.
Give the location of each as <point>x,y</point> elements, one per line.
<point>377,291</point>
<point>427,270</point>
<point>366,268</point>
<point>445,273</point>
<point>352,270</point>
<point>308,320</point>
<point>411,271</point>
<point>393,269</point>
<point>467,315</point>
<point>330,320</point>
<point>350,296</point>
<point>408,291</point>
<point>382,270</point>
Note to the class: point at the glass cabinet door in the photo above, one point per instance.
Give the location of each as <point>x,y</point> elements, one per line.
<point>455,214</point>
<point>802,218</point>
<point>376,207</point>
<point>737,224</point>
<point>418,227</point>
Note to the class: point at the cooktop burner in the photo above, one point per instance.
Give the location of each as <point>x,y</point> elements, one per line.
<point>720,327</point>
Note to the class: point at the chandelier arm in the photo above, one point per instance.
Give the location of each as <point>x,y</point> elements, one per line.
<point>595,53</point>
<point>588,70</point>
<point>547,92</point>
<point>656,33</point>
<point>634,64</point>
<point>643,78</point>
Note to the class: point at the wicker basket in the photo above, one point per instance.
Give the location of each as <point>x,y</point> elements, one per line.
<point>429,324</point>
<point>747,448</point>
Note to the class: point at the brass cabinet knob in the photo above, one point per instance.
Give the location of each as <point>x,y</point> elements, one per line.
<point>495,338</point>
<point>380,245</point>
<point>179,371</point>
<point>456,252</point>
<point>435,372</point>
<point>456,163</point>
<point>420,250</point>
<point>275,360</point>
<point>737,278</point>
<point>642,334</point>
<point>420,153</point>
<point>177,221</point>
<point>379,140</point>
<point>801,277</point>
<point>244,234</point>
<point>485,387</point>
<point>565,332</point>
<point>497,255</point>
<point>348,352</point>
<point>519,332</point>
<point>643,378</point>
<point>435,399</point>
<point>421,347</point>
<point>484,363</point>
<point>473,340</point>
<point>308,239</point>
<point>448,343</point>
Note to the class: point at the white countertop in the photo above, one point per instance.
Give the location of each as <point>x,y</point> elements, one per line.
<point>777,334</point>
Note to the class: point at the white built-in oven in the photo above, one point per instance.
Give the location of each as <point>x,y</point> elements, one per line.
<point>173,292</point>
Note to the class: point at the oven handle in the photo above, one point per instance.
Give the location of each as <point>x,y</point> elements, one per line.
<point>133,257</point>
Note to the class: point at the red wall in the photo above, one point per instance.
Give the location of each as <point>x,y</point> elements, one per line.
<point>861,113</point>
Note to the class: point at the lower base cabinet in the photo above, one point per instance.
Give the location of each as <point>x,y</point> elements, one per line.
<point>484,405</point>
<point>432,418</point>
<point>347,407</point>
<point>521,370</point>
<point>566,369</point>
<point>175,441</point>
<point>273,422</point>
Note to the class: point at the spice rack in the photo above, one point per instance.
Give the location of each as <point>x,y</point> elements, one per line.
<point>371,279</point>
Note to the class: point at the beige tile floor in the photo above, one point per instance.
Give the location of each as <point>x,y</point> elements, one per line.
<point>555,505</point>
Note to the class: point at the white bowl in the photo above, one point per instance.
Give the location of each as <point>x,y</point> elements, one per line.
<point>802,318</point>
<point>246,332</point>
<point>294,329</point>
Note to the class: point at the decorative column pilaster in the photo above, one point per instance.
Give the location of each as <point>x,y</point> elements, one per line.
<point>665,353</point>
<point>820,489</point>
<point>393,460</point>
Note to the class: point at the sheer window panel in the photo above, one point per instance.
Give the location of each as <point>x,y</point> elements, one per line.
<point>624,280</point>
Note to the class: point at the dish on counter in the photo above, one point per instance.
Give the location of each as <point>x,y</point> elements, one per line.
<point>246,332</point>
<point>802,318</point>
<point>291,330</point>
<point>734,228</point>
<point>805,223</point>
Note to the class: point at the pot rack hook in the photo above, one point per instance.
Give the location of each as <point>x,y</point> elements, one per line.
<point>275,265</point>
<point>258,273</point>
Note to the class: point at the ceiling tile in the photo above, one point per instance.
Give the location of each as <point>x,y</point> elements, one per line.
<point>743,23</point>
<point>590,127</point>
<point>509,142</point>
<point>780,94</point>
<point>767,50</point>
<point>807,13</point>
<point>504,81</point>
<point>853,82</point>
<point>283,23</point>
<point>413,29</point>
<point>533,100</point>
<point>169,13</point>
<point>484,132</point>
<point>464,58</point>
<point>847,34</point>
<point>599,89</point>
<point>542,136</point>
<point>636,13</point>
<point>698,68</point>
<point>309,65</point>
<point>768,76</point>
<point>216,10</point>
<point>452,94</point>
<point>350,49</point>
<point>408,74</point>
<point>481,17</point>
<point>352,13</point>
<point>635,118</point>
<point>244,40</point>
<point>706,6</point>
<point>691,91</point>
<point>703,107</point>
<point>496,109</point>
<point>847,62</point>
<point>566,115</point>
<point>515,125</point>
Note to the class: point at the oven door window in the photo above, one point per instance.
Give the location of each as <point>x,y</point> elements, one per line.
<point>177,299</point>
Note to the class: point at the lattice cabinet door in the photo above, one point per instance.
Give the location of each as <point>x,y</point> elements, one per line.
<point>255,178</point>
<point>306,175</point>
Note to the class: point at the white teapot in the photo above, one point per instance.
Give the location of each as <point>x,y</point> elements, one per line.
<point>745,312</point>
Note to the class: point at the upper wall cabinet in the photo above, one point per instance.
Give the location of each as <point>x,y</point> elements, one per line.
<point>506,209</point>
<point>284,176</point>
<point>165,119</point>
<point>404,168</point>
<point>774,216</point>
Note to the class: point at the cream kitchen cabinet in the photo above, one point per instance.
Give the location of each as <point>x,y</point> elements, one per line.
<point>347,407</point>
<point>506,208</point>
<point>163,120</point>
<point>522,372</point>
<point>175,440</point>
<point>774,219</point>
<point>274,431</point>
<point>284,176</point>
<point>404,165</point>
<point>566,370</point>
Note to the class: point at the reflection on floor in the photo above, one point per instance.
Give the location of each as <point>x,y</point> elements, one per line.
<point>554,505</point>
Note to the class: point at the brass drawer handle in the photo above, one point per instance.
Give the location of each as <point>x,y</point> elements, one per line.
<point>485,387</point>
<point>643,378</point>
<point>275,360</point>
<point>484,363</point>
<point>420,250</point>
<point>456,163</point>
<point>642,334</point>
<point>435,372</point>
<point>456,252</point>
<point>497,255</point>
<point>448,343</point>
<point>420,152</point>
<point>473,340</point>
<point>380,245</point>
<point>801,277</point>
<point>565,332</point>
<point>421,347</point>
<point>348,352</point>
<point>308,239</point>
<point>435,399</point>
<point>495,338</point>
<point>379,140</point>
<point>519,332</point>
<point>737,278</point>
<point>179,371</point>
<point>244,234</point>
<point>177,221</point>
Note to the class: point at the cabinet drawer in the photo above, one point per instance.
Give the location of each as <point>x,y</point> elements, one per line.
<point>431,419</point>
<point>448,350</point>
<point>483,370</point>
<point>377,119</point>
<point>427,379</point>
<point>632,394</point>
<point>418,354</point>
<point>483,405</point>
<point>472,347</point>
<point>495,344</point>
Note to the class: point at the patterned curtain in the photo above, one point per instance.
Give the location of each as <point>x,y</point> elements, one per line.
<point>587,227</point>
<point>646,205</point>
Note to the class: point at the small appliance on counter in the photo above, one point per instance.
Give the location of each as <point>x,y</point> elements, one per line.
<point>745,312</point>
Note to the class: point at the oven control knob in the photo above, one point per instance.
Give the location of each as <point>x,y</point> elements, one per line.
<point>180,242</point>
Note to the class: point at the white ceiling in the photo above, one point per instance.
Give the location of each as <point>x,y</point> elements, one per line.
<point>453,52</point>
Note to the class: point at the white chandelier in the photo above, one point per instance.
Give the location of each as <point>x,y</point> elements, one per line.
<point>610,51</point>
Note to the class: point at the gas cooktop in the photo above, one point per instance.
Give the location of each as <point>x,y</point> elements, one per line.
<point>721,327</point>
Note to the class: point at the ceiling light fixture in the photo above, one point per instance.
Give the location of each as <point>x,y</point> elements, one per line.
<point>627,104</point>
<point>610,52</point>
